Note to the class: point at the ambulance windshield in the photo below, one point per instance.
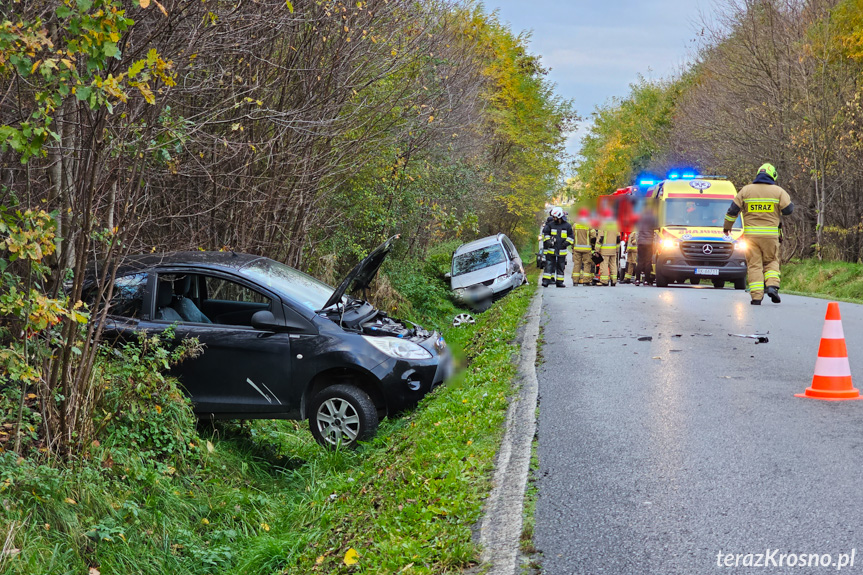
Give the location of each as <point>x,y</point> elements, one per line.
<point>701,212</point>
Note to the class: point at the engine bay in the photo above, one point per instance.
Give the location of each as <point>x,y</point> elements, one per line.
<point>362,317</point>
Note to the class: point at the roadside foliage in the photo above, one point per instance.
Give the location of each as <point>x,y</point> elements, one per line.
<point>305,131</point>
<point>773,81</point>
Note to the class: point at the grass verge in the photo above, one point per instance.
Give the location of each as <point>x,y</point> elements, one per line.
<point>841,281</point>
<point>263,497</point>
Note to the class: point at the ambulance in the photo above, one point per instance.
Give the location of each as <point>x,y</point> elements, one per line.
<point>690,244</point>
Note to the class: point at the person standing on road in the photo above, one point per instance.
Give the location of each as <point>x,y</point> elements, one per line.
<point>608,241</point>
<point>581,262</point>
<point>646,227</point>
<point>631,256</point>
<point>558,236</point>
<point>761,203</point>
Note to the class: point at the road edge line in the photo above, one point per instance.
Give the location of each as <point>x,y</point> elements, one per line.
<point>500,530</point>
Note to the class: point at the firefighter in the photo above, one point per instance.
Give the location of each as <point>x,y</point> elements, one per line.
<point>558,237</point>
<point>761,203</point>
<point>581,262</point>
<point>631,256</point>
<point>608,241</point>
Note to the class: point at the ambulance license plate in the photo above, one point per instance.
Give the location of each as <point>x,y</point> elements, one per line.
<point>707,271</point>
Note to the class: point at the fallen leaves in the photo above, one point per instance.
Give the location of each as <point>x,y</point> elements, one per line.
<point>351,557</point>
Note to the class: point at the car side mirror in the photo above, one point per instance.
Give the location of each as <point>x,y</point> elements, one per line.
<point>265,320</point>
<point>448,276</point>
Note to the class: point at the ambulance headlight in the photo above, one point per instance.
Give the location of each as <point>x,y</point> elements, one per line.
<point>741,245</point>
<point>668,244</point>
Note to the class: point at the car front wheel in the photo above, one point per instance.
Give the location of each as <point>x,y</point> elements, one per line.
<point>343,415</point>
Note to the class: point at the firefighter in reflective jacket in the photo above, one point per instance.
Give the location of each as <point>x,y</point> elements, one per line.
<point>608,241</point>
<point>558,236</point>
<point>631,256</point>
<point>581,262</point>
<point>761,204</point>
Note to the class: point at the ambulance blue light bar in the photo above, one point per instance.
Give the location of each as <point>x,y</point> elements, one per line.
<point>646,183</point>
<point>688,176</point>
<point>673,176</point>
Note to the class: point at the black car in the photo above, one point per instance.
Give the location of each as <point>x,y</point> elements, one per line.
<point>279,344</point>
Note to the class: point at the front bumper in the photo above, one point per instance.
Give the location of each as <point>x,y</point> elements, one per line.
<point>479,292</point>
<point>676,268</point>
<point>405,382</point>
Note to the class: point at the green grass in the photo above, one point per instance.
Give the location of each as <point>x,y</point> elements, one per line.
<point>262,497</point>
<point>830,280</point>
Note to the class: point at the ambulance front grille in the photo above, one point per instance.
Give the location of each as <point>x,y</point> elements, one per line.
<point>707,251</point>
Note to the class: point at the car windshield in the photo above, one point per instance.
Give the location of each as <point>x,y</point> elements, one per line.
<point>697,212</point>
<point>305,289</point>
<point>477,259</point>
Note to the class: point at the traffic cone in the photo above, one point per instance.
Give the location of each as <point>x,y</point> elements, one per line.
<point>832,379</point>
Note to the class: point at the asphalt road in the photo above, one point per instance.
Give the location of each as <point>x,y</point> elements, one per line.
<point>657,456</point>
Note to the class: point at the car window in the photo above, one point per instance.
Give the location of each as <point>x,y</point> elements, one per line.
<point>510,248</point>
<point>226,290</point>
<point>477,259</point>
<point>302,288</point>
<point>194,298</point>
<point>127,299</point>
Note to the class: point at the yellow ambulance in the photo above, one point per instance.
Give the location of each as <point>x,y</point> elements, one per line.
<point>690,244</point>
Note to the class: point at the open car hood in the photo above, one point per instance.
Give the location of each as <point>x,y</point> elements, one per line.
<point>362,275</point>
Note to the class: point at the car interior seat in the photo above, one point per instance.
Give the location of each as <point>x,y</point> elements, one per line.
<point>183,304</point>
<point>164,298</point>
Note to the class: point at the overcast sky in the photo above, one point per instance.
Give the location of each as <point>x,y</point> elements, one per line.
<point>596,48</point>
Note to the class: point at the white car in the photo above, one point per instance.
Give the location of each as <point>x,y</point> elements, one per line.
<point>485,270</point>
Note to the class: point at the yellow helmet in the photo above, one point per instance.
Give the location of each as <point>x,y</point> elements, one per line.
<point>769,170</point>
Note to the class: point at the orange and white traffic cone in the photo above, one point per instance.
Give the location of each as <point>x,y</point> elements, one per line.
<point>832,379</point>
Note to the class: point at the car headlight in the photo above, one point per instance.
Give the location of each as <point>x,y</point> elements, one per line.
<point>500,279</point>
<point>741,244</point>
<point>668,244</point>
<point>398,348</point>
<point>459,291</point>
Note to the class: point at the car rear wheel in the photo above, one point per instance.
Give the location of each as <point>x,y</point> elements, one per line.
<point>343,415</point>
<point>719,284</point>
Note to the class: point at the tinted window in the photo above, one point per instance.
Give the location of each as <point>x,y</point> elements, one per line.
<point>128,297</point>
<point>477,259</point>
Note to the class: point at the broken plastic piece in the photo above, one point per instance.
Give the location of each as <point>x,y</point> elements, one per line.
<point>758,337</point>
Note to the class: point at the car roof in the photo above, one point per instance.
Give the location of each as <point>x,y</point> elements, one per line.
<point>480,243</point>
<point>230,261</point>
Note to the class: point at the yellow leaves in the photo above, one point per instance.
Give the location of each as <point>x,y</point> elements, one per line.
<point>158,409</point>
<point>70,501</point>
<point>319,560</point>
<point>290,6</point>
<point>144,3</point>
<point>265,527</point>
<point>210,448</point>
<point>145,90</point>
<point>431,119</point>
<point>351,557</point>
<point>205,521</point>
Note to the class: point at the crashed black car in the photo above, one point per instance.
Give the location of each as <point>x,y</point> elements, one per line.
<point>279,343</point>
